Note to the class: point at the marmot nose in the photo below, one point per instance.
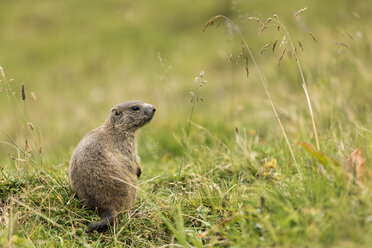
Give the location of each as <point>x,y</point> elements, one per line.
<point>150,110</point>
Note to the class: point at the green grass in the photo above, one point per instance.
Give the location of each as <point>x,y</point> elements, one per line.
<point>235,184</point>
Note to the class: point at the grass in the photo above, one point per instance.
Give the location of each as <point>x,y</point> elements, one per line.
<point>217,172</point>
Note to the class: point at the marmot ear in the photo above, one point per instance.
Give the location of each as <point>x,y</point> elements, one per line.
<point>115,111</point>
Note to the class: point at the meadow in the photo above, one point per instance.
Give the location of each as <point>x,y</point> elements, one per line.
<point>233,157</point>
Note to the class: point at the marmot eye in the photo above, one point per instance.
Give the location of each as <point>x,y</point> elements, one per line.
<point>134,108</point>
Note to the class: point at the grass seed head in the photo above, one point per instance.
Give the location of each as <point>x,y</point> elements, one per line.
<point>33,96</point>
<point>246,64</point>
<point>239,56</point>
<point>281,57</point>
<point>299,43</point>
<point>253,18</point>
<point>31,126</point>
<point>349,35</point>
<point>236,130</point>
<point>211,21</point>
<point>262,29</point>
<point>299,11</point>
<point>341,43</point>
<point>274,45</point>
<point>313,36</point>
<point>265,47</point>
<point>23,94</point>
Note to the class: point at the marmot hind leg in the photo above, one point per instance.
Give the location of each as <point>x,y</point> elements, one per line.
<point>107,219</point>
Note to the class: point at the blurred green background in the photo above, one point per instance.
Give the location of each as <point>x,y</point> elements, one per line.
<point>82,57</point>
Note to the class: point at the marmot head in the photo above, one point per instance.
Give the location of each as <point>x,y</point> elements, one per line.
<point>130,116</point>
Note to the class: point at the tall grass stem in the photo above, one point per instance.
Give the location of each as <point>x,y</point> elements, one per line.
<point>265,85</point>
<point>304,85</point>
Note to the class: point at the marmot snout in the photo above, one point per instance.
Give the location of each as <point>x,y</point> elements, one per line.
<point>104,167</point>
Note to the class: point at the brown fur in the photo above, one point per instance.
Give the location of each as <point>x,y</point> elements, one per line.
<point>104,167</point>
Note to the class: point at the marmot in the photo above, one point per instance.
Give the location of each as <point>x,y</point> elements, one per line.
<point>104,167</point>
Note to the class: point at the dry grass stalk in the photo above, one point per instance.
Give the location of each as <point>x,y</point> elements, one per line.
<point>304,86</point>
<point>43,216</point>
<point>12,94</point>
<point>265,85</point>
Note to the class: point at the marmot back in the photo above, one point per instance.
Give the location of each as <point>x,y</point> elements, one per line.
<point>104,167</point>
